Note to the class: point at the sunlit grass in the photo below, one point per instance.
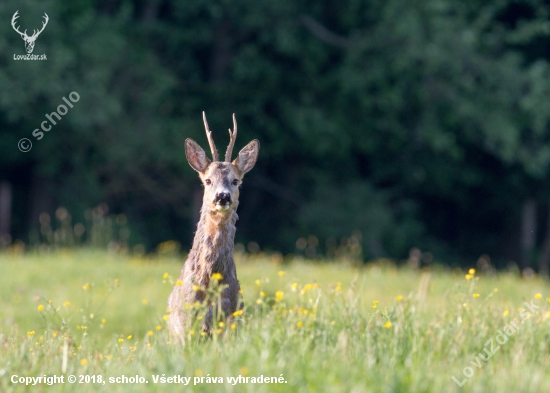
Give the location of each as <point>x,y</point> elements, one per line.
<point>324,327</point>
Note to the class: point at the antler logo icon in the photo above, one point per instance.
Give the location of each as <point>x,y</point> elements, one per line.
<point>29,41</point>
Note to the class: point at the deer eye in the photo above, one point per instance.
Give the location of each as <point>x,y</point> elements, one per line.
<point>235,182</point>
<point>208,182</point>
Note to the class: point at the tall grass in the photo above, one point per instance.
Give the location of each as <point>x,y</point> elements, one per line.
<point>320,327</point>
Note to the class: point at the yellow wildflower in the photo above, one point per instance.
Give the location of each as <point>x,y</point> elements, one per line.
<point>150,333</point>
<point>217,276</point>
<point>84,362</point>
<point>387,325</point>
<point>144,302</point>
<point>86,287</point>
<point>505,313</point>
<point>165,276</point>
<point>103,321</point>
<point>300,324</point>
<point>399,298</point>
<point>67,304</point>
<point>233,326</point>
<point>279,294</point>
<point>237,313</point>
<point>120,340</point>
<point>158,327</point>
<point>472,271</point>
<point>281,273</point>
<point>476,295</point>
<point>221,324</point>
<point>40,307</point>
<point>538,296</point>
<point>178,283</point>
<point>165,317</point>
<point>196,288</point>
<point>468,276</point>
<point>262,294</point>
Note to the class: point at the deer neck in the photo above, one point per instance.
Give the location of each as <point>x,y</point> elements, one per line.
<point>219,225</point>
<point>214,242</point>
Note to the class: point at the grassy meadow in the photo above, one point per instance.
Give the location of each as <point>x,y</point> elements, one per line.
<point>328,327</point>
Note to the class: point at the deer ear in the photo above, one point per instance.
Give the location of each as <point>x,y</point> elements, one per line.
<point>196,156</point>
<point>247,157</point>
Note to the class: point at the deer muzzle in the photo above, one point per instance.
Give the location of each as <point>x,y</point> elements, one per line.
<point>222,201</point>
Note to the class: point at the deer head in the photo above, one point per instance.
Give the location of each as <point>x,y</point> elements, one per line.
<point>221,180</point>
<point>29,41</point>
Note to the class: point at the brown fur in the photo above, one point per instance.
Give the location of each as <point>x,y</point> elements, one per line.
<point>212,250</point>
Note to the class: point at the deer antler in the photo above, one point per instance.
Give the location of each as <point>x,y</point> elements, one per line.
<point>210,139</point>
<point>232,137</point>
<point>15,16</point>
<point>43,26</point>
<point>36,33</point>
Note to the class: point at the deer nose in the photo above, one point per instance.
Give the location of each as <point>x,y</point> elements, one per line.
<point>223,198</point>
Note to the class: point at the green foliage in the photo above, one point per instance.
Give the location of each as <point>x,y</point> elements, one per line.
<point>319,325</point>
<point>360,210</point>
<point>426,104</point>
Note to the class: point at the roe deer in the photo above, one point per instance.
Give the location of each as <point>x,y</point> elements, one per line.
<point>212,250</point>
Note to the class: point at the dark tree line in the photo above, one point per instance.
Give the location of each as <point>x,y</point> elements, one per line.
<point>407,123</point>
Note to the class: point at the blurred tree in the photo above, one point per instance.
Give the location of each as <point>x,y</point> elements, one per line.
<point>420,123</point>
<point>384,227</point>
